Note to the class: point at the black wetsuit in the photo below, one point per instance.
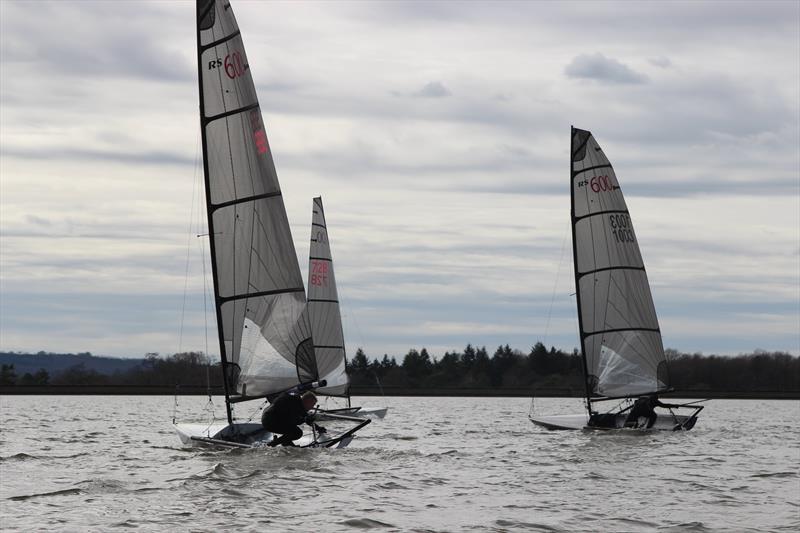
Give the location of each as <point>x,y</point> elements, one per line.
<point>644,406</point>
<point>283,418</point>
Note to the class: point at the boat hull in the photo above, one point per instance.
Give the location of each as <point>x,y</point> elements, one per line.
<point>249,435</point>
<point>358,412</point>
<point>664,422</point>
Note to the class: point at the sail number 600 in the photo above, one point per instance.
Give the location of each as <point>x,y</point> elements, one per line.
<point>600,183</point>
<point>233,65</point>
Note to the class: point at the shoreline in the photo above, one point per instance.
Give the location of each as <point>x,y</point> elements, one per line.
<point>386,391</point>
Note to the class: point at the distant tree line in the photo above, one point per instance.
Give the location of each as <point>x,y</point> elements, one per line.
<point>542,369</point>
<point>471,368</point>
<point>181,369</point>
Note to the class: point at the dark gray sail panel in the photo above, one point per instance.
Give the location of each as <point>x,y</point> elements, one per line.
<point>616,299</point>
<point>615,231</point>
<point>622,344</point>
<point>255,252</point>
<point>240,154</point>
<point>227,83</point>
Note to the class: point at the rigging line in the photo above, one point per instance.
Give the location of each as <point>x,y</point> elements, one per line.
<point>189,240</point>
<point>205,320</point>
<point>200,204</point>
<point>352,314</point>
<point>555,285</point>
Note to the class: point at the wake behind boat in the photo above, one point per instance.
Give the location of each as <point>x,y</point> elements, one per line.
<point>623,354</point>
<point>263,322</point>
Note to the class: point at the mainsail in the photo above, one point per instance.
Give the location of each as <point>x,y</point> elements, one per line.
<point>264,330</point>
<point>621,341</point>
<point>323,308</point>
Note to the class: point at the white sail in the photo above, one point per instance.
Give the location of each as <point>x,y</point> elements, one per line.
<point>265,335</point>
<point>620,335</point>
<point>323,308</point>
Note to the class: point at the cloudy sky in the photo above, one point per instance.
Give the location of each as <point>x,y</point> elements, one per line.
<point>437,134</point>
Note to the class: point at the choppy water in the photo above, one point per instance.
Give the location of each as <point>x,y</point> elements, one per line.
<point>95,463</point>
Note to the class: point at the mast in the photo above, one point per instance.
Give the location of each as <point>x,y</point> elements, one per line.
<point>575,268</point>
<point>209,211</point>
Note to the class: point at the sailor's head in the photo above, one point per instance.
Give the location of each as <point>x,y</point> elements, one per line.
<point>309,400</point>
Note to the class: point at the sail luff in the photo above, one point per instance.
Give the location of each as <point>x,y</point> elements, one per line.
<point>201,11</point>
<point>587,389</point>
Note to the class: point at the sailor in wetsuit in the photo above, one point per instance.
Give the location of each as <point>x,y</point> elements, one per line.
<point>285,414</point>
<point>645,407</point>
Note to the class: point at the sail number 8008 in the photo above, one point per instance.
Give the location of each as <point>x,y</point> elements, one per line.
<point>621,227</point>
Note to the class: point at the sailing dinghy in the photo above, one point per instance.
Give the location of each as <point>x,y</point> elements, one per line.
<point>623,354</point>
<point>263,324</point>
<point>326,321</point>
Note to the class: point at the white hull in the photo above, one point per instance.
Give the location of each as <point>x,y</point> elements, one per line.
<point>372,412</point>
<point>249,435</point>
<point>664,422</point>
<point>358,412</point>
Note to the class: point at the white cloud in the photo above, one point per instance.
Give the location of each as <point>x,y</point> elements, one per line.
<point>433,89</point>
<point>603,69</point>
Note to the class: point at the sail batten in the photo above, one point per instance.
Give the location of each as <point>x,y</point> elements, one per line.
<point>258,294</point>
<point>229,113</point>
<point>617,330</point>
<point>576,173</point>
<point>606,212</point>
<point>220,41</point>
<point>595,271</point>
<point>620,337</point>
<point>246,199</point>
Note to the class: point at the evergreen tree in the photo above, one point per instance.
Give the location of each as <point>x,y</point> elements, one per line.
<point>359,363</point>
<point>37,379</point>
<point>7,375</point>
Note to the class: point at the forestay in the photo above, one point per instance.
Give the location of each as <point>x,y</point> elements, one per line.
<point>323,308</point>
<point>265,333</point>
<point>620,336</point>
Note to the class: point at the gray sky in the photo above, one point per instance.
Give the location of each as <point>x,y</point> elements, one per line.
<point>437,134</point>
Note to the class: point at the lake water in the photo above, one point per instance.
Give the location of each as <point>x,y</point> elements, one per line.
<point>104,463</point>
